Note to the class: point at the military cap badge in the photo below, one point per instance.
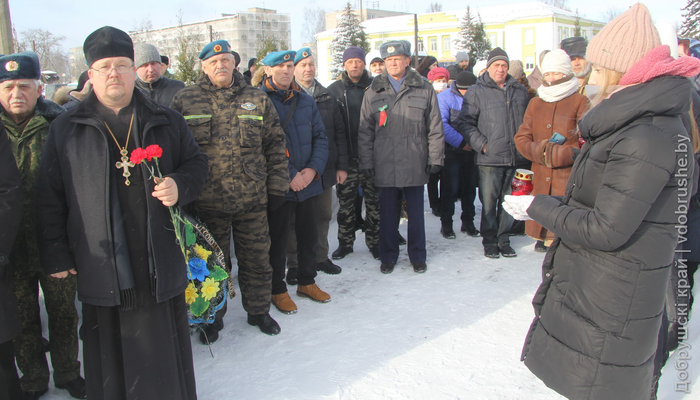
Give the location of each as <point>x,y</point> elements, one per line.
<point>286,57</point>
<point>217,48</point>
<point>11,66</point>
<point>305,54</point>
<point>390,49</point>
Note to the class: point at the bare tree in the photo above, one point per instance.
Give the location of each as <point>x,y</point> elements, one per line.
<point>434,7</point>
<point>77,65</point>
<point>144,26</point>
<point>48,47</point>
<point>314,22</point>
<point>563,4</point>
<point>610,14</point>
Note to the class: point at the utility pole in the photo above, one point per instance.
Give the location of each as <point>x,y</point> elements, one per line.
<point>7,45</point>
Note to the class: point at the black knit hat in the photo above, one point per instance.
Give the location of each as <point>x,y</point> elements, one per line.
<point>82,80</point>
<point>497,54</point>
<point>165,60</point>
<point>107,42</point>
<point>465,79</point>
<point>252,62</point>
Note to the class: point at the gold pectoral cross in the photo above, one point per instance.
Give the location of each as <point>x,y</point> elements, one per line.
<point>125,164</point>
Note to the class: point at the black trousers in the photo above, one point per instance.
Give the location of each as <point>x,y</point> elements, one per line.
<point>9,380</point>
<point>307,240</point>
<point>389,220</point>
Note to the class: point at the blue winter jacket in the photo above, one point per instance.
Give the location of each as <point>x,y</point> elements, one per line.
<point>450,102</point>
<point>307,144</point>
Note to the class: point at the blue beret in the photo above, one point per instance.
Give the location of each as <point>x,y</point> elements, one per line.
<point>278,57</point>
<point>395,48</point>
<point>303,53</point>
<point>214,48</point>
<point>20,66</point>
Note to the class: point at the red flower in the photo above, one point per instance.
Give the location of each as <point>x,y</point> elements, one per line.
<point>138,155</point>
<point>153,151</point>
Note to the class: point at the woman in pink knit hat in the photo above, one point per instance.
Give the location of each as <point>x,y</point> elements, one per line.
<point>599,309</point>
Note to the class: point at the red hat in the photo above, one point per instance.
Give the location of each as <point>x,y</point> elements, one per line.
<point>438,72</point>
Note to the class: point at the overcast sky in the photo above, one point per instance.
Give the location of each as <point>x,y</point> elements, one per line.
<point>75,19</point>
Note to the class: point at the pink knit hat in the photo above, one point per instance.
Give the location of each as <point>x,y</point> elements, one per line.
<point>438,72</point>
<point>624,41</point>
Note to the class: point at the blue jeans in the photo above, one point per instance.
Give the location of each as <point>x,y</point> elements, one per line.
<point>494,183</point>
<point>459,178</point>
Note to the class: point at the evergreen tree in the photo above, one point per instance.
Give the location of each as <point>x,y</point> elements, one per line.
<point>691,20</point>
<point>472,38</point>
<point>349,32</point>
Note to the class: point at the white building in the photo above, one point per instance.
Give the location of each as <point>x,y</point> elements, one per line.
<point>243,30</point>
<point>522,30</point>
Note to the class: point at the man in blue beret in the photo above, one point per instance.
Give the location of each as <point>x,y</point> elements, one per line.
<point>401,142</point>
<point>336,165</point>
<point>103,220</point>
<point>307,151</point>
<point>237,126</point>
<point>26,116</point>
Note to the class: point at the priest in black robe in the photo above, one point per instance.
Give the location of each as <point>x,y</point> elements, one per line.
<point>102,218</point>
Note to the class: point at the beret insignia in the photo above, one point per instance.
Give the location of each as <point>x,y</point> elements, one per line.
<point>217,48</point>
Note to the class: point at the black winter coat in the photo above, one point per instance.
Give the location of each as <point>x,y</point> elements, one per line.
<point>161,91</point>
<point>599,307</point>
<point>350,95</point>
<point>73,210</point>
<point>10,216</point>
<point>491,115</point>
<point>332,117</point>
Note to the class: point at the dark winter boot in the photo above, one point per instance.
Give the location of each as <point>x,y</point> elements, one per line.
<point>265,322</point>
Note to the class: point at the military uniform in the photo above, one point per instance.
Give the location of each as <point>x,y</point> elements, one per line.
<point>238,128</point>
<point>59,294</point>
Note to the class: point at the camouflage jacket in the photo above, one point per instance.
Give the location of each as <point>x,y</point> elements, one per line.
<point>238,128</point>
<point>27,146</point>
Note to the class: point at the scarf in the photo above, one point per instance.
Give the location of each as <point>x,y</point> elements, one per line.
<point>658,62</point>
<point>558,90</point>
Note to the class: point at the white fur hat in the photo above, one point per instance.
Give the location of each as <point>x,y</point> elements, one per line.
<point>557,61</point>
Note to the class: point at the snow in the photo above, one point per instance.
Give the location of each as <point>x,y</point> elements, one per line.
<point>455,332</point>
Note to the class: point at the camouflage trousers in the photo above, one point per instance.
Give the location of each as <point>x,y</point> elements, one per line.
<point>251,242</point>
<point>59,300</point>
<point>324,214</point>
<point>347,193</point>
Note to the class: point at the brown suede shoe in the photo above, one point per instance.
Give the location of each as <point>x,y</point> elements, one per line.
<point>314,293</point>
<point>284,303</point>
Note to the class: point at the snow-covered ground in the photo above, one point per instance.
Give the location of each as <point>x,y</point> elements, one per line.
<point>455,332</point>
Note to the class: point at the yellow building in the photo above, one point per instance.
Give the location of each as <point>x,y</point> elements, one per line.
<point>521,29</point>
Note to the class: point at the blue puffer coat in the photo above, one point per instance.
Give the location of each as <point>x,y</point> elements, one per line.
<point>307,144</point>
<point>450,103</point>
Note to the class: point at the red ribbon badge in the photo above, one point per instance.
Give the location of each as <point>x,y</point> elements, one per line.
<point>382,115</point>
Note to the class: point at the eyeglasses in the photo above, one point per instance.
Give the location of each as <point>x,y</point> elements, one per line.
<point>121,69</point>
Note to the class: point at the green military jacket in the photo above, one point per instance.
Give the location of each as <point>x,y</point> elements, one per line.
<point>27,146</point>
<point>239,130</point>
